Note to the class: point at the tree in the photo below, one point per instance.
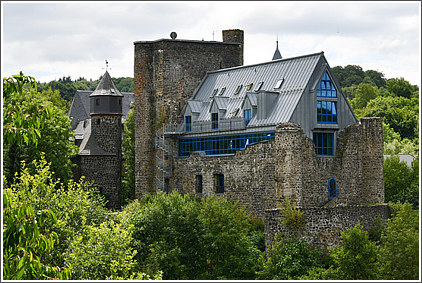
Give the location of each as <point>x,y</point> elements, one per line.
<point>399,249</point>
<point>376,77</point>
<point>128,173</point>
<point>190,238</point>
<point>356,259</point>
<point>289,259</point>
<point>24,245</point>
<point>401,182</point>
<point>364,93</point>
<point>399,87</point>
<point>35,123</point>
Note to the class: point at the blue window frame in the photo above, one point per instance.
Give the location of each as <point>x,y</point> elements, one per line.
<point>326,87</point>
<point>214,121</point>
<point>332,188</point>
<point>324,144</point>
<point>326,112</point>
<point>247,115</point>
<point>221,144</point>
<point>219,180</point>
<point>188,122</point>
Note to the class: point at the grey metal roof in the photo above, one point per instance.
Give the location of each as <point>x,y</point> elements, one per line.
<point>195,106</point>
<point>106,87</point>
<point>89,146</point>
<point>295,71</point>
<point>221,102</point>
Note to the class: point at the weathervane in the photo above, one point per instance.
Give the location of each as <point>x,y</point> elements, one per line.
<point>107,68</point>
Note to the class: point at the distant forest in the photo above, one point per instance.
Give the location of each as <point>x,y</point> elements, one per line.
<point>349,78</point>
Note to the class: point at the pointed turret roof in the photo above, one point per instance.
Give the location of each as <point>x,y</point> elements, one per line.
<point>277,54</point>
<point>106,87</point>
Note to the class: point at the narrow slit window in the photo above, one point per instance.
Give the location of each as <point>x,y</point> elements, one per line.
<point>332,188</point>
<point>219,183</point>
<point>198,184</point>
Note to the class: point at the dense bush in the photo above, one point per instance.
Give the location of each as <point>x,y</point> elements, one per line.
<point>190,238</point>
<point>289,259</point>
<point>399,249</point>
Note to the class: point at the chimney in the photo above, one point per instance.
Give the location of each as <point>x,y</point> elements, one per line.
<point>234,36</point>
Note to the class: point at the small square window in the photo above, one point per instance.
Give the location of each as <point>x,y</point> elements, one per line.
<point>278,84</point>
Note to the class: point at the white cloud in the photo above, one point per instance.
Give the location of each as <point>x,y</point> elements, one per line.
<point>56,39</point>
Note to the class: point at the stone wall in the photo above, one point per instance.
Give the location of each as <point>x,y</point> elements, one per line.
<point>259,176</point>
<point>324,225</point>
<point>105,172</point>
<point>166,74</point>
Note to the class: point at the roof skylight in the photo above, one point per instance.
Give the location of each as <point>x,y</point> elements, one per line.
<point>214,92</point>
<point>250,86</point>
<point>279,83</point>
<point>258,87</point>
<point>239,87</point>
<point>222,91</point>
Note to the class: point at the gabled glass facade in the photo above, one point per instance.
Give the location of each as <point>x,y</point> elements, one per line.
<point>326,112</point>
<point>326,87</point>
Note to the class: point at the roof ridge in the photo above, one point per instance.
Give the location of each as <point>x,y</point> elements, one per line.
<point>265,63</point>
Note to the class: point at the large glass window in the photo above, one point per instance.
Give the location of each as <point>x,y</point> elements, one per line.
<point>221,144</point>
<point>247,115</point>
<point>324,144</point>
<point>326,112</point>
<point>326,87</point>
<point>188,123</point>
<point>214,121</point>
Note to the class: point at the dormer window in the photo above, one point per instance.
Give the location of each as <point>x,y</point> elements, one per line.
<point>278,84</point>
<point>250,86</point>
<point>239,87</point>
<point>258,87</point>
<point>214,92</point>
<point>188,123</point>
<point>222,91</point>
<point>247,115</point>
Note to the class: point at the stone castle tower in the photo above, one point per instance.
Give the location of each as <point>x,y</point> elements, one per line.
<point>100,152</point>
<point>166,73</point>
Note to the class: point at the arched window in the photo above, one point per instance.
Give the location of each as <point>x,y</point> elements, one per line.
<point>332,188</point>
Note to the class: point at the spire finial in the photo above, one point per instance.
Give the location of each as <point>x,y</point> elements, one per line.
<point>106,68</point>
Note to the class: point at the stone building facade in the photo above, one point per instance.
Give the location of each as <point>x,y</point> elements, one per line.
<point>257,134</point>
<point>166,73</point>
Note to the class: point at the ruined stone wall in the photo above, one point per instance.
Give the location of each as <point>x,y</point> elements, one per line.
<point>264,173</point>
<point>166,74</point>
<point>324,225</point>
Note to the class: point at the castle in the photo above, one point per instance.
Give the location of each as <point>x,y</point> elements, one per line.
<point>205,124</point>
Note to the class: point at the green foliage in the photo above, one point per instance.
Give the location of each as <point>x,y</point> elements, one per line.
<point>399,87</point>
<point>401,183</point>
<point>75,205</point>
<point>399,249</point>
<point>289,259</point>
<point>24,244</point>
<point>293,217</point>
<point>190,238</point>
<point>35,123</point>
<point>400,113</point>
<point>356,259</point>
<point>128,173</point>
<point>364,93</point>
<point>101,253</point>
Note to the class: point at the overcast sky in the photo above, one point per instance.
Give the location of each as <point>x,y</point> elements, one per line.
<point>51,40</point>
